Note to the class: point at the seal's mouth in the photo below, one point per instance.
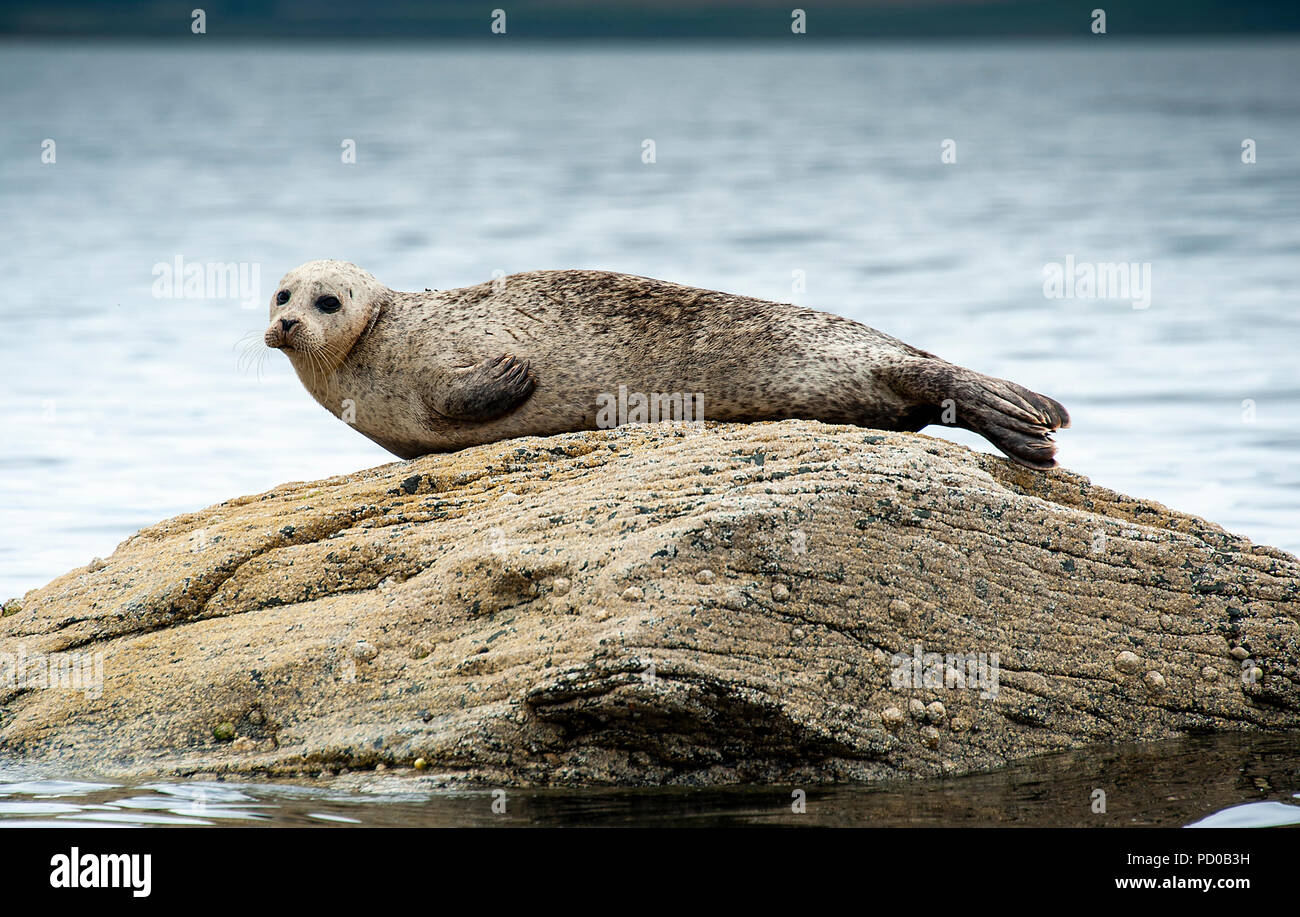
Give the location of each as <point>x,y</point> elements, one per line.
<point>274,340</point>
<point>279,339</point>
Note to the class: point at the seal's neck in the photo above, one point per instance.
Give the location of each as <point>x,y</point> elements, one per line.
<point>317,378</point>
<point>382,306</point>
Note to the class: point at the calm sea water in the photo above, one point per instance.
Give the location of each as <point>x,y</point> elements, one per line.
<point>1227,781</point>
<point>121,408</point>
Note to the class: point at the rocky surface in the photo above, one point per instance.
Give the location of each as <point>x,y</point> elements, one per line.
<point>652,605</point>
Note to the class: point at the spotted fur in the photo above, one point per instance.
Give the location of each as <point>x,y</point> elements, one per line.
<point>529,354</point>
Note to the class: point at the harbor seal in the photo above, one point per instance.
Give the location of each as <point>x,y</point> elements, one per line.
<point>542,352</point>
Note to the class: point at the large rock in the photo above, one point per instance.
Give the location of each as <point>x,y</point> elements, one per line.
<point>655,605</point>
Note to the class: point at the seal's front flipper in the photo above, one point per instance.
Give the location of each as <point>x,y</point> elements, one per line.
<point>1010,416</point>
<point>482,392</point>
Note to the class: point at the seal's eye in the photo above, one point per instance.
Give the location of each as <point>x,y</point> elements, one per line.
<point>282,297</point>
<point>329,304</point>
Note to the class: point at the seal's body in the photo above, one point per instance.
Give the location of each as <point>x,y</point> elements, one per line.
<point>547,352</point>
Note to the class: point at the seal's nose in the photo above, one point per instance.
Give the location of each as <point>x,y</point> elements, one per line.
<point>287,323</point>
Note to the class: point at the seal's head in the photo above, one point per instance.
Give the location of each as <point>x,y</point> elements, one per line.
<point>319,310</point>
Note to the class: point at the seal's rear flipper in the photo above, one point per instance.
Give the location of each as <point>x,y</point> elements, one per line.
<point>1010,416</point>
